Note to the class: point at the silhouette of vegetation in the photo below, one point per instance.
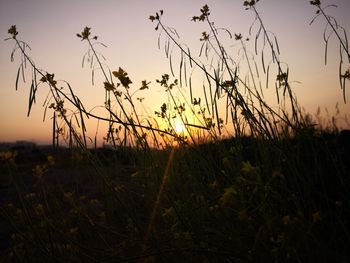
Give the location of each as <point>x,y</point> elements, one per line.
<point>218,175</point>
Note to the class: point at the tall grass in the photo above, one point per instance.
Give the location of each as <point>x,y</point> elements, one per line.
<point>239,182</point>
<point>334,28</point>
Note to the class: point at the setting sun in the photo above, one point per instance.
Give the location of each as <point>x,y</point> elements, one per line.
<point>179,126</point>
<point>159,131</point>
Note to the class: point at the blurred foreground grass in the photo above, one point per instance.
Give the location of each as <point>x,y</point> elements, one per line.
<point>236,200</point>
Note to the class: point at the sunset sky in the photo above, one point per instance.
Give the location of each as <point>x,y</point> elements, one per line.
<point>50,28</point>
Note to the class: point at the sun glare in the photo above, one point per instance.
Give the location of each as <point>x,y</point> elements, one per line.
<point>179,126</point>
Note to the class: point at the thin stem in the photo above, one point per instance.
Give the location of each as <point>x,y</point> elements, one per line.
<point>335,31</point>
<point>280,71</point>
<point>52,89</point>
<point>213,78</point>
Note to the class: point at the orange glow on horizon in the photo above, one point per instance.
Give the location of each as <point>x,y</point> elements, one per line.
<point>133,46</point>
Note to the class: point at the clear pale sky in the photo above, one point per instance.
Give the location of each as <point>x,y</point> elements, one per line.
<point>50,28</point>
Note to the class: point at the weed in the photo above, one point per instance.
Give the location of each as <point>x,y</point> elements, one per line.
<point>215,176</point>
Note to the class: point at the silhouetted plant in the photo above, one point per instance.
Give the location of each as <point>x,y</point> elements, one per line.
<point>56,94</point>
<point>334,28</point>
<point>280,195</point>
<point>250,114</point>
<point>75,116</point>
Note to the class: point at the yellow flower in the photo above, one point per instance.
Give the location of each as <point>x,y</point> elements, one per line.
<point>39,170</point>
<point>39,209</point>
<point>8,156</point>
<point>51,160</point>
<point>68,196</point>
<point>169,212</point>
<point>247,168</point>
<point>228,195</point>
<point>30,195</point>
<point>94,202</point>
<point>73,231</point>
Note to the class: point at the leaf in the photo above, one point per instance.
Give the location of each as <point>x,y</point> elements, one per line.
<point>145,85</point>
<point>171,66</point>
<point>315,2</point>
<point>43,79</point>
<point>109,86</point>
<point>92,77</point>
<point>238,36</point>
<point>23,76</point>
<point>152,18</point>
<point>185,72</point>
<point>205,10</point>
<point>86,33</point>
<point>123,77</point>
<point>267,76</point>
<point>180,72</point>
<point>189,57</point>
<point>17,77</point>
<point>13,31</point>
<point>247,168</point>
<point>263,61</point>
<point>277,94</point>
<point>173,30</point>
<point>190,82</point>
<point>325,52</point>
<point>256,40</point>
<point>277,46</point>
<point>31,97</point>
<point>118,93</point>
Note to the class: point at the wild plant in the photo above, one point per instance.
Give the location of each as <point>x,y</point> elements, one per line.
<point>56,96</point>
<point>69,120</point>
<point>334,28</point>
<point>249,112</point>
<point>267,196</point>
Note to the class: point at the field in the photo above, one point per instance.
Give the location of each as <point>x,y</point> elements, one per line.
<point>241,200</point>
<point>254,184</point>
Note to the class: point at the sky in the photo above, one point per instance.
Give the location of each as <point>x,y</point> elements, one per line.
<point>50,28</point>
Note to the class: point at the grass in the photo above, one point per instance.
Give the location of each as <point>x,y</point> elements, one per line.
<point>250,184</point>
<point>241,199</point>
